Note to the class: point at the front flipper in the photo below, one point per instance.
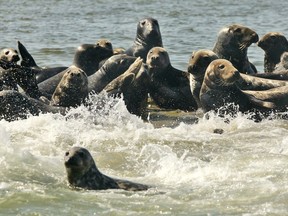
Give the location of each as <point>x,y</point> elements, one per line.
<point>27,59</point>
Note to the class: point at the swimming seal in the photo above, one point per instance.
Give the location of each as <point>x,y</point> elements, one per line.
<point>83,173</point>
<point>169,87</point>
<point>232,44</point>
<point>72,89</point>
<point>197,66</point>
<point>148,35</point>
<point>133,85</point>
<point>273,44</point>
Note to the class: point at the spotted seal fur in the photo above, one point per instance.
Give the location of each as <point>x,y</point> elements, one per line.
<point>83,173</point>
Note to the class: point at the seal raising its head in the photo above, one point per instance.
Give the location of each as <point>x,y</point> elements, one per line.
<point>148,36</point>
<point>273,44</point>
<point>232,44</point>
<point>83,173</point>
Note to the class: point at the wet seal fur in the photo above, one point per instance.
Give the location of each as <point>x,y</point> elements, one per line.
<point>274,45</point>
<point>197,66</point>
<point>148,35</point>
<point>42,73</point>
<point>15,106</point>
<point>72,89</point>
<point>13,75</point>
<point>220,93</point>
<point>232,44</point>
<point>112,68</point>
<point>280,72</point>
<point>169,87</point>
<point>133,85</point>
<point>83,173</point>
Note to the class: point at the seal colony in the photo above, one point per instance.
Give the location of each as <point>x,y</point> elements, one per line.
<point>152,79</point>
<point>220,80</point>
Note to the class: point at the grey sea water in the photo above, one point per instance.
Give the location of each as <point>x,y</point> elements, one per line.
<point>192,170</point>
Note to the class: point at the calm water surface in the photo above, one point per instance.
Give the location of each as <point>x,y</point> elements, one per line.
<point>192,170</point>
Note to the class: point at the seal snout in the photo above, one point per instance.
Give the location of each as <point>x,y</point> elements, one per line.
<point>254,37</point>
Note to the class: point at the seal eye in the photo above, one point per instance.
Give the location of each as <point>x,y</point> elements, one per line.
<point>221,66</point>
<point>143,23</point>
<point>7,53</point>
<point>66,153</point>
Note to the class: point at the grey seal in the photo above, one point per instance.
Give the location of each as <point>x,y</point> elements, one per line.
<point>83,173</point>
<point>274,45</point>
<point>148,35</point>
<point>232,44</point>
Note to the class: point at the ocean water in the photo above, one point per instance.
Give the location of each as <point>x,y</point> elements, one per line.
<point>192,170</point>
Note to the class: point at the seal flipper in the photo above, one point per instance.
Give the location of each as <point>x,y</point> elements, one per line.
<point>27,59</point>
<point>131,186</point>
<point>260,102</point>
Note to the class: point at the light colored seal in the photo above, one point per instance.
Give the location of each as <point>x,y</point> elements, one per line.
<point>220,92</point>
<point>83,173</point>
<point>9,55</point>
<point>232,44</point>
<point>219,88</point>
<point>72,89</point>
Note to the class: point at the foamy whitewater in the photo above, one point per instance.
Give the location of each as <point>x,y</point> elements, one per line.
<point>191,169</point>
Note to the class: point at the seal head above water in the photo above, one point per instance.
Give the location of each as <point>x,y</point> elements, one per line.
<point>83,173</point>
<point>148,36</point>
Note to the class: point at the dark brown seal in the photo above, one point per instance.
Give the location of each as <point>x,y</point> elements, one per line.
<point>280,72</point>
<point>72,89</point>
<point>232,44</point>
<point>13,75</point>
<point>83,173</point>
<point>87,57</point>
<point>170,88</point>
<point>273,44</point>
<point>148,35</point>
<point>133,85</point>
<point>42,73</point>
<point>15,105</point>
<point>197,66</point>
